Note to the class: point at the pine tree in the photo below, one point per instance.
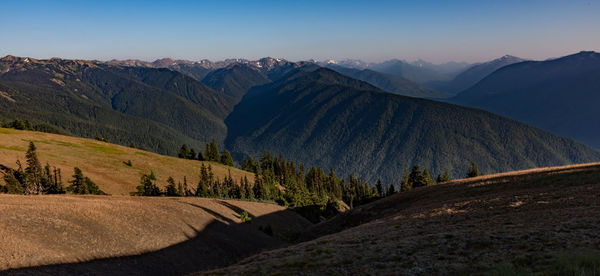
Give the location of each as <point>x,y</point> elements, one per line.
<point>170,189</point>
<point>184,151</point>
<point>192,154</point>
<point>392,190</point>
<point>180,189</point>
<point>415,178</point>
<point>92,188</point>
<point>258,188</point>
<point>147,185</point>
<point>78,185</point>
<point>13,185</point>
<point>426,178</point>
<point>443,178</point>
<point>33,183</point>
<point>405,185</point>
<point>212,152</point>
<point>473,171</point>
<point>226,159</point>
<point>202,188</point>
<point>379,188</point>
<point>186,191</point>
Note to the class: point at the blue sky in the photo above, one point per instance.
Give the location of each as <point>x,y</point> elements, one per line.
<point>436,31</point>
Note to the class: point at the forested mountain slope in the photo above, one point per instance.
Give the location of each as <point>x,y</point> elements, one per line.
<point>235,79</point>
<point>560,95</point>
<point>156,109</point>
<point>327,119</point>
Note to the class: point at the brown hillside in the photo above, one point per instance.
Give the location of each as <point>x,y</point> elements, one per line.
<point>103,162</point>
<point>533,221</point>
<point>177,234</point>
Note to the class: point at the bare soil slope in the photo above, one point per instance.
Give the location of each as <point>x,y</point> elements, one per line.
<point>103,162</point>
<point>507,223</point>
<point>177,235</point>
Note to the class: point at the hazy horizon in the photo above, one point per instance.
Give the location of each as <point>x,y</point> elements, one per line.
<point>460,31</point>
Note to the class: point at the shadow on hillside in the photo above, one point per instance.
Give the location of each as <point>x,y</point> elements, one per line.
<point>217,245</point>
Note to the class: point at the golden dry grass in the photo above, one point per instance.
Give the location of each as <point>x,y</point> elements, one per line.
<point>54,229</point>
<point>103,162</point>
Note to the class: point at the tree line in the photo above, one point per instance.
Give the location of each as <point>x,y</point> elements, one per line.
<point>33,179</point>
<point>283,181</point>
<point>18,124</point>
<point>275,179</point>
<point>211,153</point>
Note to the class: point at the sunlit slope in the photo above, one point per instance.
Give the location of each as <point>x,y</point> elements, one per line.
<point>183,234</point>
<point>103,162</point>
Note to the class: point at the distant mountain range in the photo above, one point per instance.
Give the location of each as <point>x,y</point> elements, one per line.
<point>390,83</point>
<point>559,95</point>
<point>310,114</point>
<point>472,75</point>
<point>418,71</point>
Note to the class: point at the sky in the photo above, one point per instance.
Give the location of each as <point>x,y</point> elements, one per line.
<point>436,31</point>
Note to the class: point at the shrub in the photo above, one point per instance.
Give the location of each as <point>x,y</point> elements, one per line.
<point>245,217</point>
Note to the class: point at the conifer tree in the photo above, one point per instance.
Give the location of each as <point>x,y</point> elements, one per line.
<point>192,154</point>
<point>212,152</point>
<point>202,188</point>
<point>184,151</point>
<point>179,189</point>
<point>82,184</point>
<point>226,159</point>
<point>473,171</point>
<point>78,183</point>
<point>446,176</point>
<point>170,189</point>
<point>405,185</point>
<point>186,191</point>
<point>426,178</point>
<point>13,185</point>
<point>33,183</point>
<point>391,190</point>
<point>92,188</point>
<point>443,178</point>
<point>415,178</point>
<point>379,188</point>
<point>148,186</point>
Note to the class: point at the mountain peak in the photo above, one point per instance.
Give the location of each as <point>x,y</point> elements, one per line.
<point>9,58</point>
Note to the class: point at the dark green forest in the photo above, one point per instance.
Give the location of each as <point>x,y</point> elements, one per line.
<point>330,120</point>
